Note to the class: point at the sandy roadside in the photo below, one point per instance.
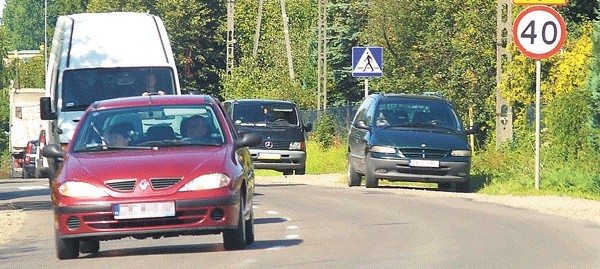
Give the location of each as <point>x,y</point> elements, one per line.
<point>11,222</point>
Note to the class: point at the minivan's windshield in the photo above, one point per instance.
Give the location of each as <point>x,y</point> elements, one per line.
<point>149,128</point>
<point>405,112</point>
<point>81,87</point>
<point>265,114</point>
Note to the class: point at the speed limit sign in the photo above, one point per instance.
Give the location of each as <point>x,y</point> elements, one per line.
<point>539,32</point>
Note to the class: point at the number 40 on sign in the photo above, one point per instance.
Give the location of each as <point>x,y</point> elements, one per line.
<point>539,32</point>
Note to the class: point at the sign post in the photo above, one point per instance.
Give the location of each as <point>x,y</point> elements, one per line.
<point>539,32</point>
<point>367,62</point>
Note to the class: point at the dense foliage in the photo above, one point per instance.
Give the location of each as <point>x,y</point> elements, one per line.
<point>452,51</point>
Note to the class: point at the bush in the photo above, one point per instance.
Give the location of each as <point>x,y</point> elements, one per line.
<point>324,133</point>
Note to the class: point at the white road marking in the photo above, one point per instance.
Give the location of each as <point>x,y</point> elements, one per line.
<point>292,236</point>
<point>272,212</point>
<point>292,227</point>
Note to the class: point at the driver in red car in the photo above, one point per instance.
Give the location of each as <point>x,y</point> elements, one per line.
<point>194,127</point>
<point>119,135</point>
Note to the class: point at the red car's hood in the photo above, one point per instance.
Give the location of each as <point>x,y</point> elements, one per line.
<point>178,162</point>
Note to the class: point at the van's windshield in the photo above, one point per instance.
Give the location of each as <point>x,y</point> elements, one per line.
<point>265,114</point>
<point>81,87</point>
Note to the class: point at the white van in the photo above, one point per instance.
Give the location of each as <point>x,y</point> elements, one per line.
<point>98,56</point>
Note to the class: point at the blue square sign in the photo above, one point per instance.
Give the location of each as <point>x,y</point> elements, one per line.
<point>367,61</point>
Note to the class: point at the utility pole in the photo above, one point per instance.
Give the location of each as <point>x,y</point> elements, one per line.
<point>288,47</point>
<point>504,120</point>
<point>257,34</point>
<point>230,39</point>
<point>322,56</point>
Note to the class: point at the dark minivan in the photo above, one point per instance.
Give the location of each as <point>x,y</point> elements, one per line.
<point>402,137</point>
<point>283,146</point>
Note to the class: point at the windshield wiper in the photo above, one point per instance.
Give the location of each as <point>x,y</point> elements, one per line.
<point>418,124</point>
<point>107,147</point>
<point>80,107</point>
<point>156,143</point>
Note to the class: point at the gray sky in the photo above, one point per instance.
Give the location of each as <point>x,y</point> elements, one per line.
<point>1,7</point>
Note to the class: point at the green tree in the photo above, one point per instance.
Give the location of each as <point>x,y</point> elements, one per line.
<point>267,76</point>
<point>24,21</point>
<point>345,20</point>
<point>4,97</point>
<point>451,52</point>
<point>594,86</point>
<point>199,47</point>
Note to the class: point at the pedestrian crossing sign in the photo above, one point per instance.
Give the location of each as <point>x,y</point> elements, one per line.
<point>367,61</point>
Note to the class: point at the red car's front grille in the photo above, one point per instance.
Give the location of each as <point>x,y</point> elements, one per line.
<point>163,183</point>
<point>105,220</point>
<point>127,185</point>
<point>121,185</point>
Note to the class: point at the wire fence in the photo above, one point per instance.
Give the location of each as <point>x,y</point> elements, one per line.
<point>342,117</point>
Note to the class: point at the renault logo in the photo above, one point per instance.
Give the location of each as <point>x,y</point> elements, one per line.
<point>269,144</point>
<point>143,184</point>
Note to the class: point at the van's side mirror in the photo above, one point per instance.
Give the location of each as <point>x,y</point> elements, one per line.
<point>53,151</point>
<point>361,125</point>
<point>308,127</point>
<point>248,140</point>
<point>46,109</point>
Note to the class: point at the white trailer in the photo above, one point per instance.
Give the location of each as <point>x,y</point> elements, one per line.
<point>25,124</point>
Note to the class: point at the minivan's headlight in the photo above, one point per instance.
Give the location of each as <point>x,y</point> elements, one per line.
<point>383,149</point>
<point>461,153</point>
<point>207,182</point>
<point>297,146</point>
<point>81,189</point>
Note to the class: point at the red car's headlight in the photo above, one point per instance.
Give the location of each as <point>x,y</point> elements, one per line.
<point>81,189</point>
<point>207,182</point>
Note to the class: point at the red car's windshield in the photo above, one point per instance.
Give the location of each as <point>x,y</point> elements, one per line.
<point>151,126</point>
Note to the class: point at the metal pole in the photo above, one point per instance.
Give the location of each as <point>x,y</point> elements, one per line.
<point>538,67</point>
<point>366,87</point>
<point>472,136</point>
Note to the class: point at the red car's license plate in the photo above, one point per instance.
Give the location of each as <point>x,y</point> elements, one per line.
<point>144,210</point>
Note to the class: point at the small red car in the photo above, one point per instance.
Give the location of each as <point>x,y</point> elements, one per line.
<point>29,159</point>
<point>151,167</point>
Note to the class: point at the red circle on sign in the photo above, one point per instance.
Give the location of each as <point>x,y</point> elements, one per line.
<point>557,45</point>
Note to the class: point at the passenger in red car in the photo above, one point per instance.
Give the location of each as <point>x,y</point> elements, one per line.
<point>119,135</point>
<point>194,127</point>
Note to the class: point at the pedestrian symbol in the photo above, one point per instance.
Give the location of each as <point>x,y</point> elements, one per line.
<point>367,61</point>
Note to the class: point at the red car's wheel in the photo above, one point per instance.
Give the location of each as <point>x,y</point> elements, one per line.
<point>66,248</point>
<point>250,228</point>
<point>235,239</point>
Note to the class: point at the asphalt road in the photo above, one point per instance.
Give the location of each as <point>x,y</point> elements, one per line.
<point>311,226</point>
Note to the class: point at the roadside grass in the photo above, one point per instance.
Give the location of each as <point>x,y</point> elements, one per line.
<point>5,166</point>
<point>492,172</point>
<point>513,173</point>
<point>318,161</point>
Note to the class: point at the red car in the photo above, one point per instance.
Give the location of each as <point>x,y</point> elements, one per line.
<point>29,159</point>
<point>151,167</point>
